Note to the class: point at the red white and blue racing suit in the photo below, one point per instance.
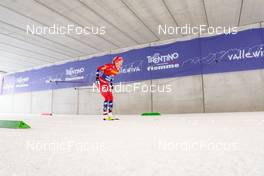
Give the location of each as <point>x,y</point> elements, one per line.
<point>104,82</point>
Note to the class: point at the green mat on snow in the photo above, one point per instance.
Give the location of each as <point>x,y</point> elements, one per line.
<point>13,124</point>
<point>150,114</point>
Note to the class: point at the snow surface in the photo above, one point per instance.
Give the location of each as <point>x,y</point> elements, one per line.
<point>221,144</point>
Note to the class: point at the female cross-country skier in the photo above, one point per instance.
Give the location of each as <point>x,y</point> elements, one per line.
<point>104,82</point>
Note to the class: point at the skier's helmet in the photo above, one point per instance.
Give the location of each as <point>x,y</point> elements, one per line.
<point>117,59</point>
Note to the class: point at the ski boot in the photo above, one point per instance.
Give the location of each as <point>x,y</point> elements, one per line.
<point>110,117</point>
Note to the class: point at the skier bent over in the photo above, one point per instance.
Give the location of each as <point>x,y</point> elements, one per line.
<point>104,82</point>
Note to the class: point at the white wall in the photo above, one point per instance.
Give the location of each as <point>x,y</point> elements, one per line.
<point>134,102</point>
<point>65,101</point>
<point>236,91</point>
<point>186,95</point>
<point>6,103</point>
<point>90,102</point>
<point>22,103</point>
<point>42,102</point>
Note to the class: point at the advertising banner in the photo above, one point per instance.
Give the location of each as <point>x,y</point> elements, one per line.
<point>217,54</point>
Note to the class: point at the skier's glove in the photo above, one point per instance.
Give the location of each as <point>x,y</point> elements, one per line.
<point>97,78</point>
<point>97,81</point>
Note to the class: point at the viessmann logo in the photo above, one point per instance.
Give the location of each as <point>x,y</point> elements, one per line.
<point>163,62</point>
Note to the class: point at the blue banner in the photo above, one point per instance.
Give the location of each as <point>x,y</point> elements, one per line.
<point>217,54</point>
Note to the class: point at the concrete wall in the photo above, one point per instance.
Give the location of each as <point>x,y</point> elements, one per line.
<point>236,91</point>
<point>186,95</point>
<point>225,92</point>
<point>6,104</point>
<point>42,102</point>
<point>22,103</point>
<point>65,101</point>
<point>133,102</point>
<point>90,102</point>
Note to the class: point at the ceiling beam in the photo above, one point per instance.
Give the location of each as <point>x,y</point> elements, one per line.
<point>13,53</point>
<point>205,12</point>
<point>240,12</point>
<point>39,36</point>
<point>52,50</point>
<point>170,13</point>
<point>2,72</point>
<point>109,22</point>
<point>34,52</point>
<point>60,14</point>
<point>134,13</point>
<point>14,11</point>
<point>13,60</point>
